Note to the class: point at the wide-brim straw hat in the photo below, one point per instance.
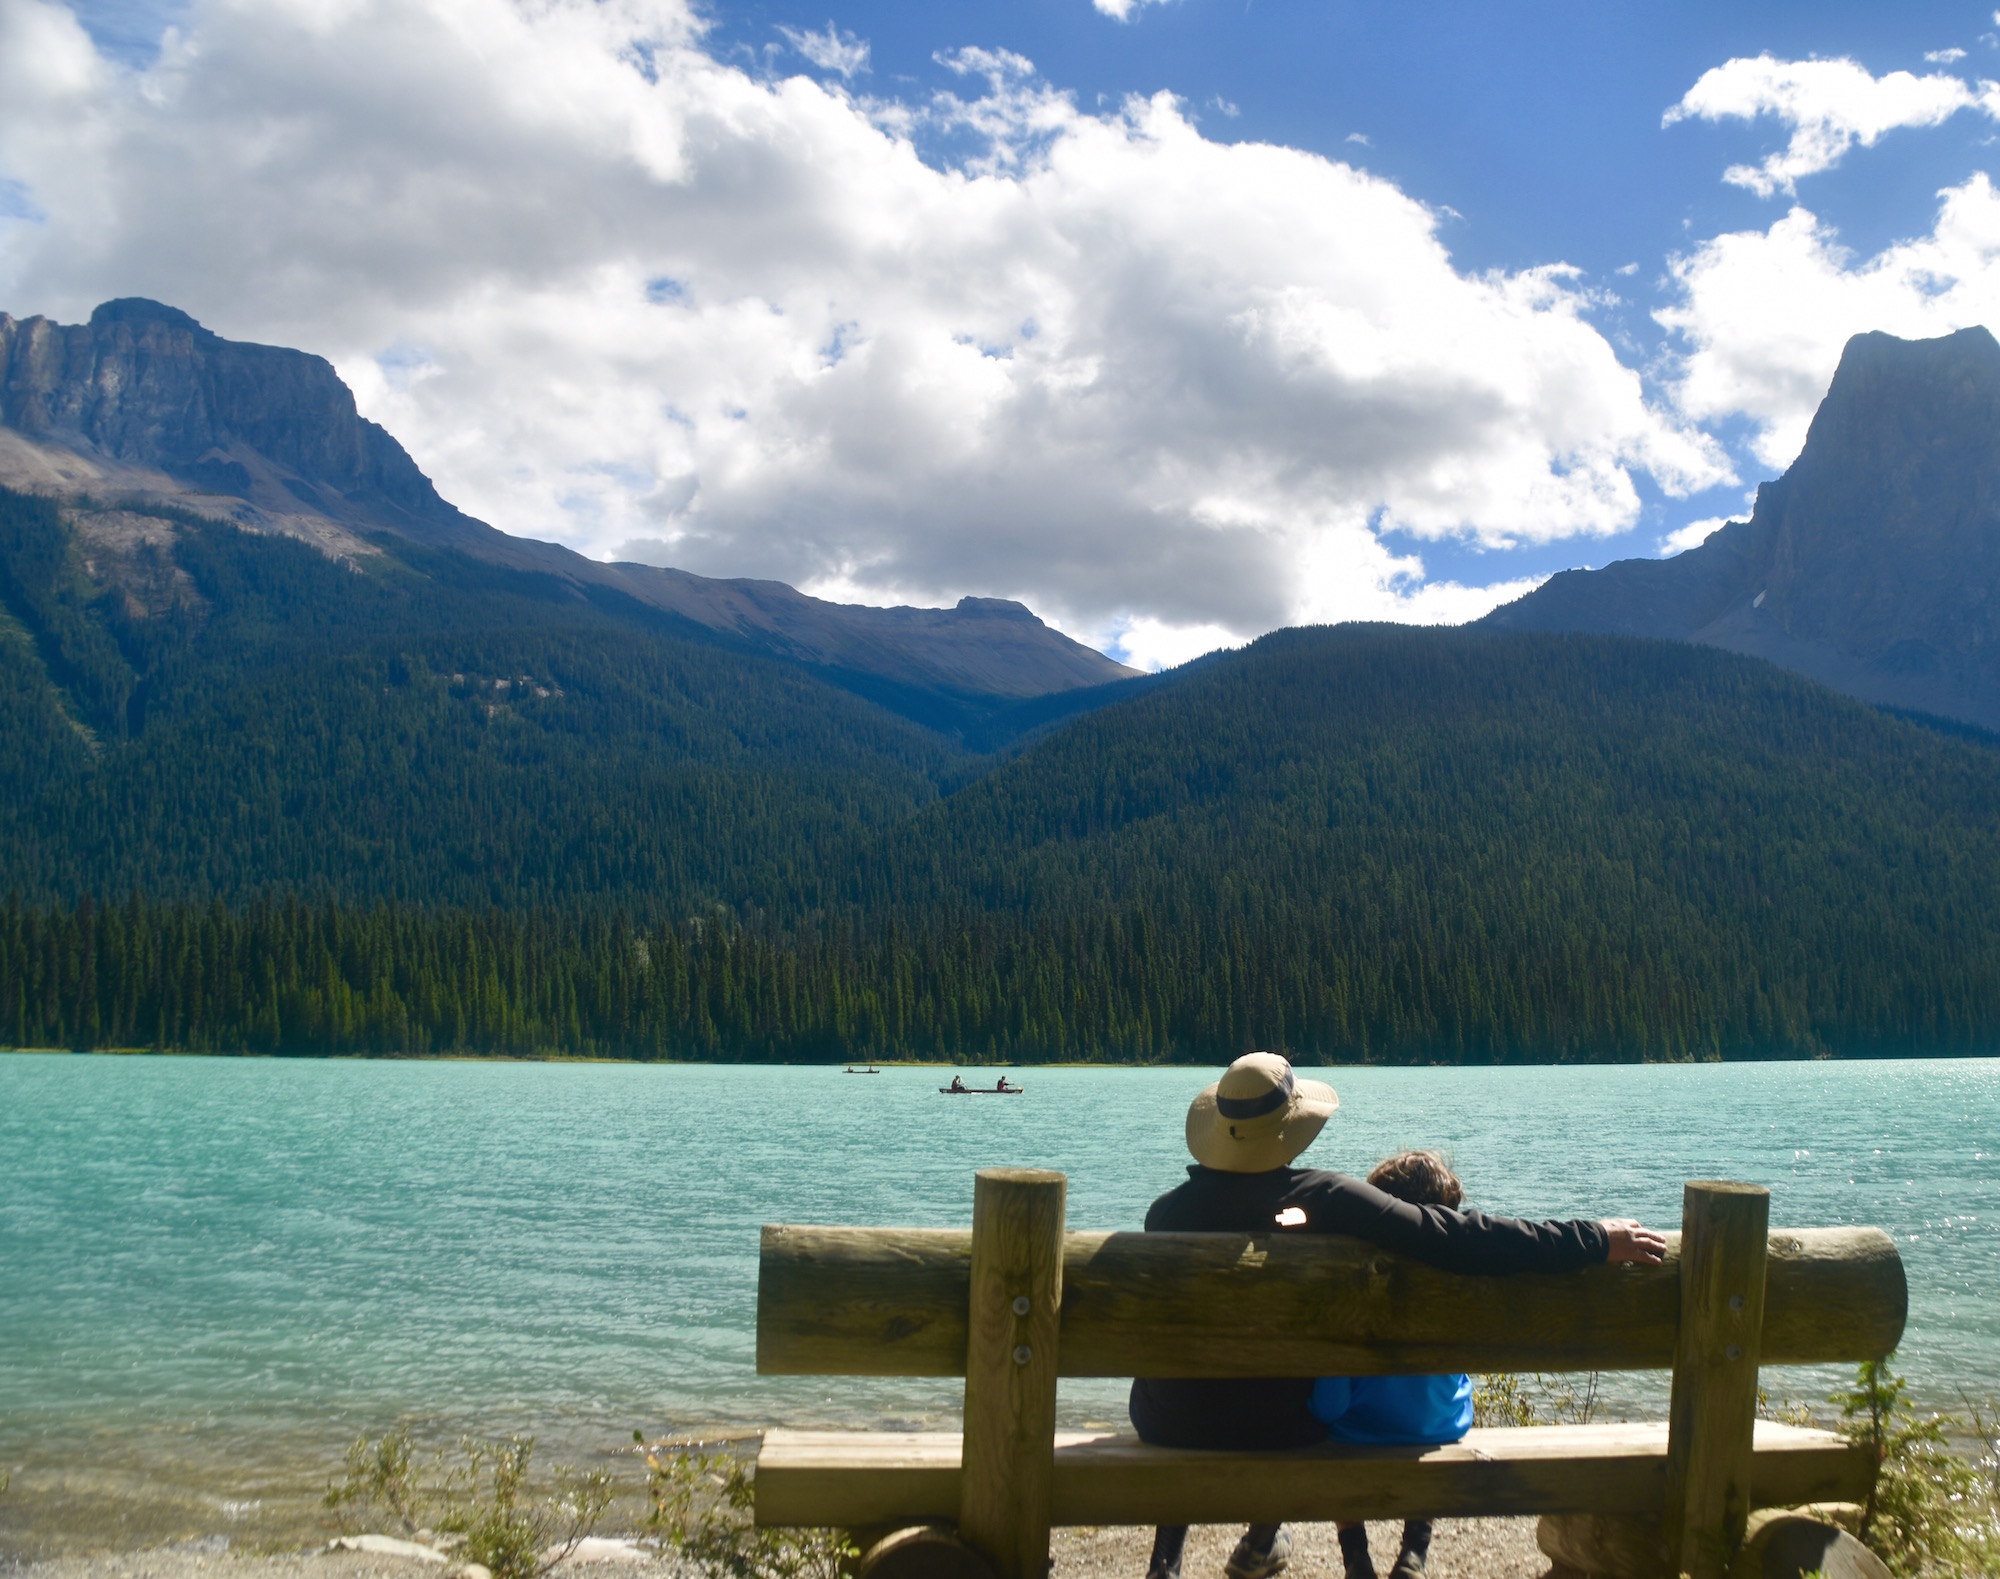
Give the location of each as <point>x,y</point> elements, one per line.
<point>1258,1116</point>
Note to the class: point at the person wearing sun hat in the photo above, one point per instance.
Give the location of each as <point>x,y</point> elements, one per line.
<point>1244,1132</point>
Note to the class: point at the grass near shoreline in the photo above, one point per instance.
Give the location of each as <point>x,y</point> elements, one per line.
<point>1934,1512</point>
<point>1942,1490</point>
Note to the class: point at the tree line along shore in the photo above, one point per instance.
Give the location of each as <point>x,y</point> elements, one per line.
<point>292,978</point>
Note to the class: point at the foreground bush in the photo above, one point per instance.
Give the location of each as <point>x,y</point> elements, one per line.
<point>1932,1512</point>
<point>482,1500</point>
<point>703,1507</point>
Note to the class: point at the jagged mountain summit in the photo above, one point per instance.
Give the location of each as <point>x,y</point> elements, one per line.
<point>1871,566</point>
<point>144,408</point>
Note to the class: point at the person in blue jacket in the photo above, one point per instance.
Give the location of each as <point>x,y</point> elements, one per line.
<point>1397,1409</point>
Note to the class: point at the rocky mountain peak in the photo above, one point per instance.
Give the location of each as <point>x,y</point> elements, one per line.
<point>144,310</point>
<point>142,384</point>
<point>1913,390</point>
<point>998,608</point>
<point>1872,565</point>
<point>145,405</point>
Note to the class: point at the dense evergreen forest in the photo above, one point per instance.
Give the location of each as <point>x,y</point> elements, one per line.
<point>257,800</point>
<point>244,717</point>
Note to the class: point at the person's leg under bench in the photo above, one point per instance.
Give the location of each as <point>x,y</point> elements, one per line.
<point>1410,1561</point>
<point>1263,1552</point>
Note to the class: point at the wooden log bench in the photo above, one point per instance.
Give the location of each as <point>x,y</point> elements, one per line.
<point>1015,1303</point>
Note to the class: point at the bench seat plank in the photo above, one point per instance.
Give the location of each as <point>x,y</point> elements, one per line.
<point>857,1479</point>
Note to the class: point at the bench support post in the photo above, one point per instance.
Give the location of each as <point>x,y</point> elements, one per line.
<point>1010,1367</point>
<point>1725,1232</point>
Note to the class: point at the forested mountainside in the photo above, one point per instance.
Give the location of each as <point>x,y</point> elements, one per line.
<point>145,407</point>
<point>239,715</point>
<point>1358,842</point>
<point>1870,566</point>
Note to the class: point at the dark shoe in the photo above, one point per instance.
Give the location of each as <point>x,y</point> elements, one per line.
<point>1249,1562</point>
<point>1409,1565</point>
<point>1354,1552</point>
<point>1164,1571</point>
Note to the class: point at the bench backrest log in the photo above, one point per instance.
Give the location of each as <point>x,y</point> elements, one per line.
<point>1016,1302</point>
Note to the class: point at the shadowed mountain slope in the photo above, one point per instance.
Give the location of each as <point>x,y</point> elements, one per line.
<point>377,778</point>
<point>143,405</point>
<point>1361,842</point>
<point>1872,565</point>
<point>188,709</point>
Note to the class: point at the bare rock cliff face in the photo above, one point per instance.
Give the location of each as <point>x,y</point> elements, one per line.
<point>146,385</point>
<point>1872,565</point>
<point>143,406</point>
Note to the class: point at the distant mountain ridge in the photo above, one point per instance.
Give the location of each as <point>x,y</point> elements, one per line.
<point>1872,565</point>
<point>142,404</point>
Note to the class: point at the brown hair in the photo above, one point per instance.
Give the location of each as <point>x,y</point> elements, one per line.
<point>1419,1177</point>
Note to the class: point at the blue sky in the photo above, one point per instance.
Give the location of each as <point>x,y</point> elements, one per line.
<point>1103,357</point>
<point>1538,125</point>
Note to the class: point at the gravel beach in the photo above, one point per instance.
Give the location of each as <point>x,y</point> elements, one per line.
<point>1463,1549</point>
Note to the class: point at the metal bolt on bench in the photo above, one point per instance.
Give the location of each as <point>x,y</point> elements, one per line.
<point>1017,1302</point>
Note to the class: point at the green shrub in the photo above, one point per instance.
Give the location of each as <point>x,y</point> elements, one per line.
<point>484,1500</point>
<point>1510,1399</point>
<point>515,1535</point>
<point>1931,1511</point>
<point>703,1504</point>
<point>383,1474</point>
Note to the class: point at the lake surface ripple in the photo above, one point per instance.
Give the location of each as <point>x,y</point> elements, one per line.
<point>230,1261</point>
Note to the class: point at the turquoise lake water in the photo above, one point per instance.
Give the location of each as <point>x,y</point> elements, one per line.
<point>229,1259</point>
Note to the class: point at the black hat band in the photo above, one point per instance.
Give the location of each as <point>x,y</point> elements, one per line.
<point>1256,1107</point>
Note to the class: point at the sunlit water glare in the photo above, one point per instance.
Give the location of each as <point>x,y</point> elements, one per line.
<point>235,1262</point>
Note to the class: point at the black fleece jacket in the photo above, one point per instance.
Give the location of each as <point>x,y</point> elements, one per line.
<point>1272,1412</point>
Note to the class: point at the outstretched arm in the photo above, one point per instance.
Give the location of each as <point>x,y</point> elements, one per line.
<point>1453,1241</point>
<point>1630,1242</point>
<point>1467,1241</point>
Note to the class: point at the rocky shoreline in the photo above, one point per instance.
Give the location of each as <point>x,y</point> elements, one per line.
<point>1463,1549</point>
<point>1460,1549</point>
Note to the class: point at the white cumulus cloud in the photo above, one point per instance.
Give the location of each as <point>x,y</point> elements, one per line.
<point>1763,314</point>
<point>1146,643</point>
<point>1693,535</point>
<point>1830,105</point>
<point>614,291</point>
<point>832,50</point>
